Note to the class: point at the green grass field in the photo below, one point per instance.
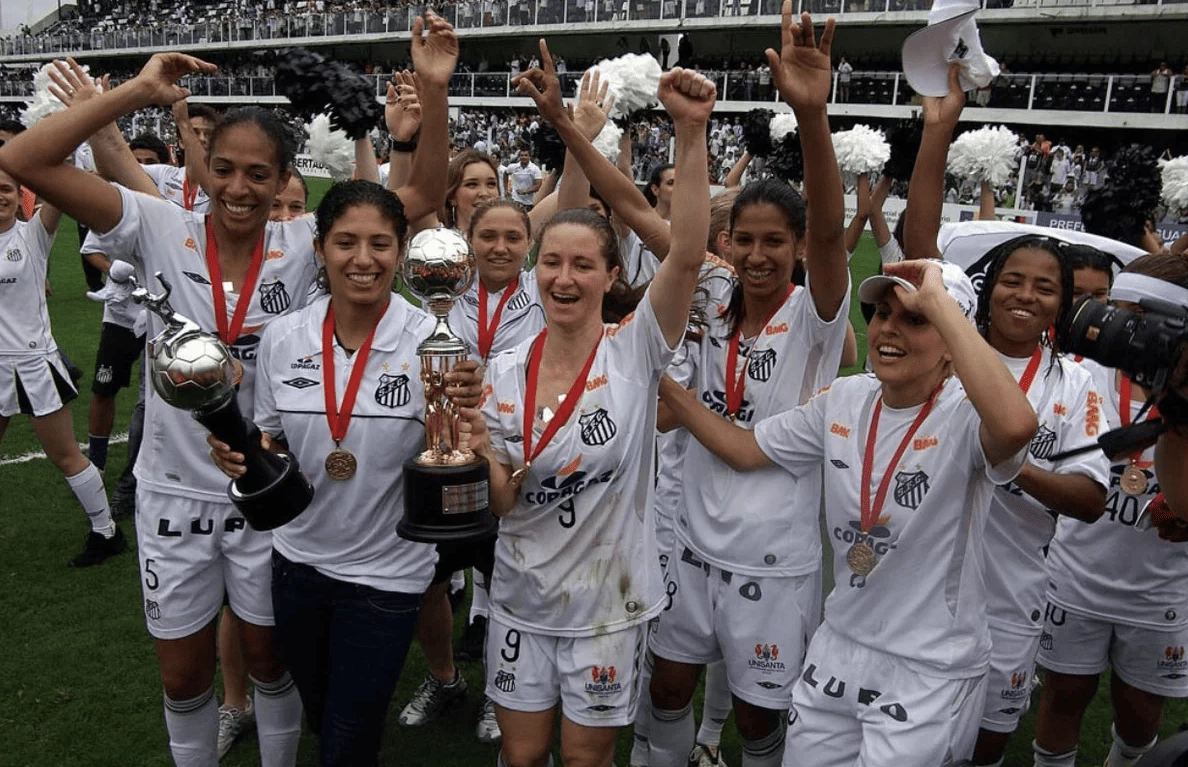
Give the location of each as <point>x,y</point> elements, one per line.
<point>78,678</point>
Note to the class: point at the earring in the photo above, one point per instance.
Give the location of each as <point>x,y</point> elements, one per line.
<point>322,280</point>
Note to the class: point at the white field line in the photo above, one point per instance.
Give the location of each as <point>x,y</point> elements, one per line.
<point>38,454</point>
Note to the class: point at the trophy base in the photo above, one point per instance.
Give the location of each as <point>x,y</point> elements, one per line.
<point>278,503</point>
<point>447,504</point>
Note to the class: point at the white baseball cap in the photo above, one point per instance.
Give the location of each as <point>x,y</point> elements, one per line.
<point>957,285</point>
<point>951,35</point>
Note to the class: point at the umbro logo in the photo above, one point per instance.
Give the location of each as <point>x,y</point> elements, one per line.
<point>300,382</point>
<point>839,464</point>
<point>768,685</point>
<point>198,278</point>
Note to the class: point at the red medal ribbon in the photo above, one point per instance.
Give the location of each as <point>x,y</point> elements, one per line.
<point>1032,369</point>
<point>563,412</point>
<point>1124,389</point>
<point>486,333</point>
<point>230,333</point>
<point>189,193</point>
<point>870,512</point>
<point>340,420</point>
<point>735,383</point>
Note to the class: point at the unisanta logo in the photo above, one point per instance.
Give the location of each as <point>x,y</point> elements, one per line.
<point>767,659</point>
<point>602,681</point>
<point>1173,663</point>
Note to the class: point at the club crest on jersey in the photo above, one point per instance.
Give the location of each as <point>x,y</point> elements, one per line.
<point>152,610</point>
<point>767,659</point>
<point>597,427</point>
<point>392,390</point>
<point>13,254</point>
<point>104,374</point>
<point>196,278</point>
<point>760,364</point>
<point>910,488</point>
<point>519,301</point>
<point>1043,443</point>
<point>505,681</point>
<point>274,299</point>
<point>602,681</point>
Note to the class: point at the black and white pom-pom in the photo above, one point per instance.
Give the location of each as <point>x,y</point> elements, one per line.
<point>904,137</point>
<point>786,160</point>
<point>44,102</point>
<point>862,150</point>
<point>547,147</point>
<point>607,141</point>
<point>634,79</point>
<point>985,154</point>
<point>315,84</point>
<point>756,132</point>
<point>1174,173</point>
<point>782,124</point>
<point>330,148</point>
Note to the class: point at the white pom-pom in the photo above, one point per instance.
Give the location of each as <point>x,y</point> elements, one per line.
<point>861,150</point>
<point>781,125</point>
<point>330,148</point>
<point>607,141</point>
<point>634,79</point>
<point>985,154</point>
<point>1175,182</point>
<point>44,103</point>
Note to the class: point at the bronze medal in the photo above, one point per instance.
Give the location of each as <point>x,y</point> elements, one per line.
<point>236,372</point>
<point>861,558</point>
<point>519,475</point>
<point>1134,481</point>
<point>341,464</point>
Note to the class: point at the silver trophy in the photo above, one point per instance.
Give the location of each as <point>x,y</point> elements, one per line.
<point>194,370</point>
<point>445,488</point>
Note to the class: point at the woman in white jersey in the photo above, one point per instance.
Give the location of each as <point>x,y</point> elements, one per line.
<point>193,544</point>
<point>33,379</point>
<point>568,426</point>
<point>1116,593</point>
<point>346,588</point>
<point>741,586</point>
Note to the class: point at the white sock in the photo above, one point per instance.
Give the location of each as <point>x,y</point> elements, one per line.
<point>457,581</point>
<point>478,597</point>
<point>643,714</point>
<point>193,727</point>
<point>278,721</point>
<point>717,705</point>
<point>1123,755</point>
<point>87,487</point>
<point>765,752</point>
<point>1048,759</point>
<point>670,737</point>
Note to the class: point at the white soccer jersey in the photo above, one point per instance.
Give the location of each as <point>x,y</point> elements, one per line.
<point>159,236</point>
<point>576,556</point>
<point>925,600</point>
<point>890,252</point>
<point>1019,528</point>
<point>639,264</point>
<point>24,317</point>
<point>1108,569</point>
<point>522,318</point>
<point>173,185</point>
<point>384,172</point>
<point>523,177</point>
<point>125,313</point>
<point>349,531</point>
<point>761,523</point>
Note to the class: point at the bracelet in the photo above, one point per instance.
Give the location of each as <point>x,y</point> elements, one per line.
<point>404,147</point>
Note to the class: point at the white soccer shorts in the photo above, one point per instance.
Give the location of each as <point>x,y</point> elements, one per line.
<point>1010,680</point>
<point>35,385</point>
<point>192,552</point>
<point>596,679</point>
<point>858,707</point>
<point>759,626</point>
<point>1145,658</point>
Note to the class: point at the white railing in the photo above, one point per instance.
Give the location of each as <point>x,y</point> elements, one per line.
<point>1062,92</point>
<point>125,34</point>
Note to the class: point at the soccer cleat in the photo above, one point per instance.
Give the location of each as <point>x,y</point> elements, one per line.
<point>98,549</point>
<point>430,699</point>
<point>487,729</point>
<point>471,647</point>
<point>234,722</point>
<point>706,756</point>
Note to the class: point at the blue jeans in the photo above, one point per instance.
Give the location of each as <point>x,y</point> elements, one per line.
<point>345,646</point>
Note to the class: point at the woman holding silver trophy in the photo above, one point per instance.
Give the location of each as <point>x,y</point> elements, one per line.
<point>194,546</point>
<point>568,429</point>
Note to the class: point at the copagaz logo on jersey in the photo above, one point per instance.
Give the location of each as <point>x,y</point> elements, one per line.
<point>602,681</point>
<point>305,363</point>
<point>564,486</point>
<point>1173,664</point>
<point>716,401</point>
<point>767,659</point>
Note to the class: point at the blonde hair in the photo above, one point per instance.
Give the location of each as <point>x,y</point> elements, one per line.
<point>719,218</point>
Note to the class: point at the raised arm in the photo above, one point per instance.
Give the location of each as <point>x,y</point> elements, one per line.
<point>197,170</point>
<point>734,177</point>
<point>434,57</point>
<point>801,72</point>
<point>926,193</point>
<point>878,224</point>
<point>861,215</point>
<point>986,203</point>
<point>366,168</point>
<point>589,114</point>
<point>35,157</point>
<point>402,114</point>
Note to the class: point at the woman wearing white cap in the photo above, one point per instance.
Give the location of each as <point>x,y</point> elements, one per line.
<point>896,673</point>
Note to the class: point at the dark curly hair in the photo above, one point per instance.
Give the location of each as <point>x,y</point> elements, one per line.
<point>352,194</point>
<point>268,123</point>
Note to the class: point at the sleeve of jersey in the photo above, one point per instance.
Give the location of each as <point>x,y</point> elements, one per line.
<point>1005,471</point>
<point>299,239</point>
<point>141,213</point>
<point>43,240</point>
<point>490,410</point>
<point>794,440</point>
<point>266,415</point>
<point>890,252</point>
<point>638,346</point>
<point>1081,426</point>
<point>158,173</point>
<point>818,327</point>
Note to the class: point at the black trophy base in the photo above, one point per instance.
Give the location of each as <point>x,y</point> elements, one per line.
<point>447,504</point>
<point>278,503</point>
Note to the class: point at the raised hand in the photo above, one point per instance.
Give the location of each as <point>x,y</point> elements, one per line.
<point>946,110</point>
<point>158,79</point>
<point>593,107</point>
<point>402,107</point>
<point>434,54</point>
<point>801,70</point>
<point>687,96</point>
<point>926,275</point>
<point>543,87</point>
<point>71,84</point>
